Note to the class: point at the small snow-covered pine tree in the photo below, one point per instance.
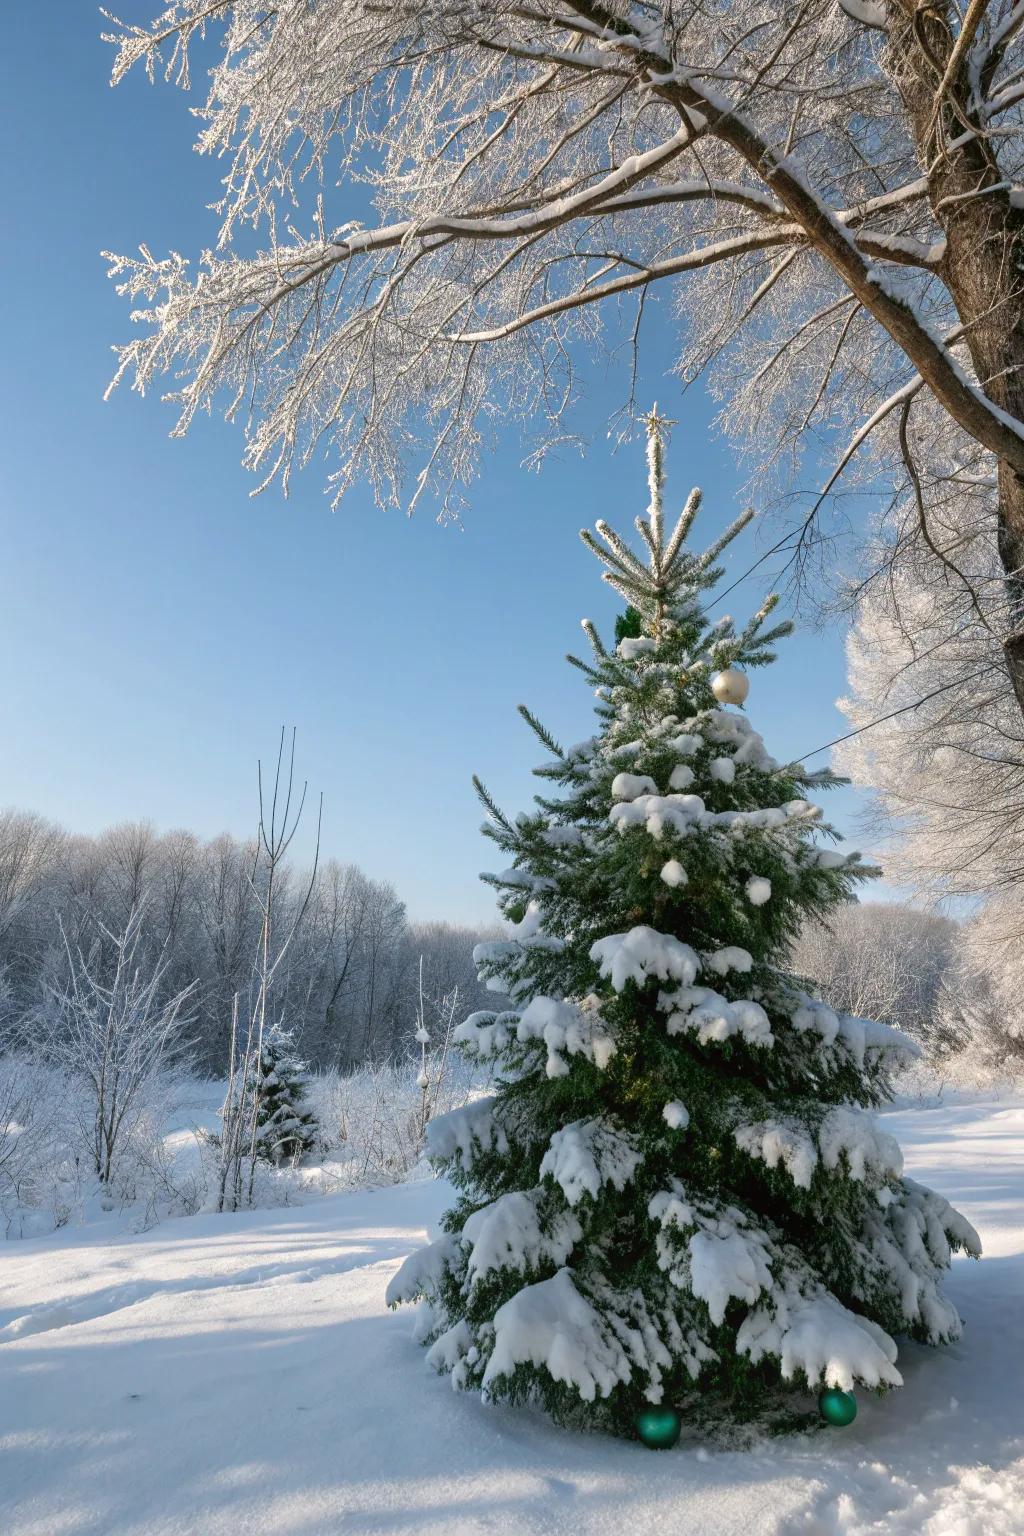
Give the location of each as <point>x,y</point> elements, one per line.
<point>286,1127</point>
<point>676,1195</point>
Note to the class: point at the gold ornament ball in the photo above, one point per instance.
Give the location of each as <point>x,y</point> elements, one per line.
<point>730,686</point>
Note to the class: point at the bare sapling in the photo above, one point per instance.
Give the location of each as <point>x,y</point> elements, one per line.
<point>279,820</point>
<point>433,1062</point>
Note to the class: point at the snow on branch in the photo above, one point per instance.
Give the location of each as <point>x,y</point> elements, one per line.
<point>503,186</point>
<point>869,13</point>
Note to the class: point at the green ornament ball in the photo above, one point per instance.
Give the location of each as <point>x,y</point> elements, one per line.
<point>658,1428</point>
<point>838,1408</point>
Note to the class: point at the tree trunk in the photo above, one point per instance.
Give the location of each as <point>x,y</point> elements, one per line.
<point>983,266</point>
<point>1011,553</point>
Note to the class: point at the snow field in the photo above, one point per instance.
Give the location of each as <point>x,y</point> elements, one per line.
<point>222,1374</point>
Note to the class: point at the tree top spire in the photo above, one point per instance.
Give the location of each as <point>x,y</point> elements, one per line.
<point>656,424</point>
<point>666,574</point>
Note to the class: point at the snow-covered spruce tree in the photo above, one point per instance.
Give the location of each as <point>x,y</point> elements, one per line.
<point>674,1197</point>
<point>286,1127</point>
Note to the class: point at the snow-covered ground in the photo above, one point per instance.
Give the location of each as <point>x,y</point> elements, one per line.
<point>230,1374</point>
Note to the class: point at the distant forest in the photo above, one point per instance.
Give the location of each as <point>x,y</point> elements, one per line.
<point>348,989</point>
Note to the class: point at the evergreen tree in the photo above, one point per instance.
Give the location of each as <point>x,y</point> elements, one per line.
<point>286,1127</point>
<point>675,1196</point>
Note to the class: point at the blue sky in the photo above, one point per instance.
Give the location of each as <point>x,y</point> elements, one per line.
<point>159,626</point>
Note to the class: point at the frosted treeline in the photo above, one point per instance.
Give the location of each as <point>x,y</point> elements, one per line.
<point>955,988</point>
<point>347,991</point>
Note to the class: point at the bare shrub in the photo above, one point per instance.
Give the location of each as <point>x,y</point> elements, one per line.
<point>110,1030</point>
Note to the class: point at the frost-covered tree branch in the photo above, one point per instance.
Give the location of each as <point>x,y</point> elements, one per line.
<point>452,203</point>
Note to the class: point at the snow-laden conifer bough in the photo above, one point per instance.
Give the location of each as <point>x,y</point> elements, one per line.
<point>676,1195</point>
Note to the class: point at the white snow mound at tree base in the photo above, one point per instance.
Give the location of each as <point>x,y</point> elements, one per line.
<point>228,1374</point>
